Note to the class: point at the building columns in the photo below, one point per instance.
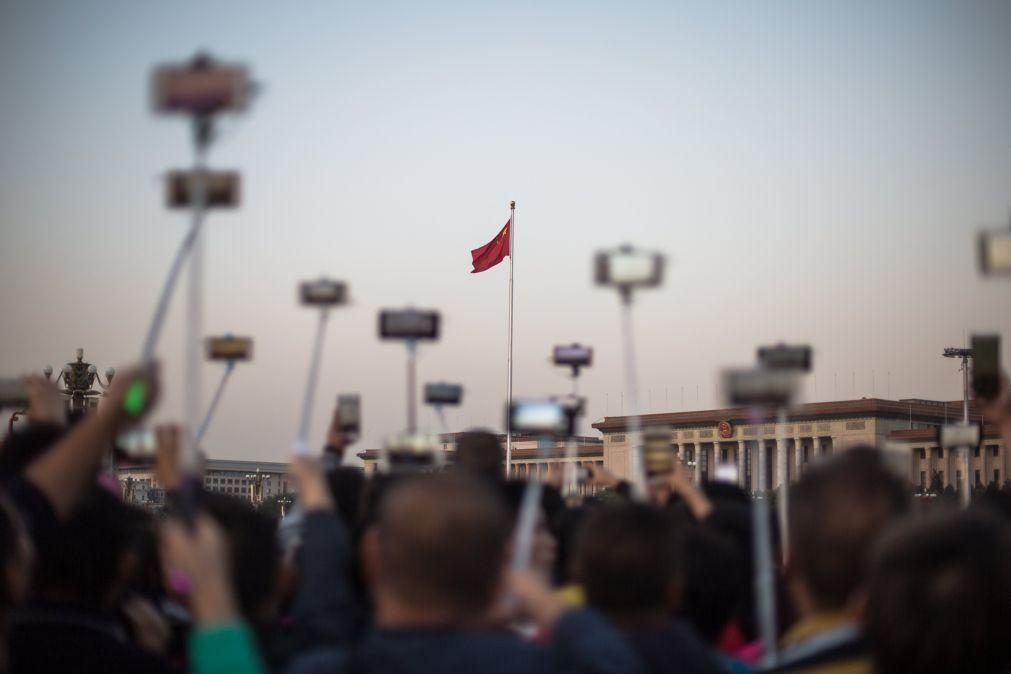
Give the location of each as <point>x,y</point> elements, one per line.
<point>782,446</point>
<point>798,457</point>
<point>760,473</point>
<point>815,447</point>
<point>697,477</point>
<point>740,464</point>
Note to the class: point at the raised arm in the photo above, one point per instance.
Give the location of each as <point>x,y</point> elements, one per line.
<point>66,468</point>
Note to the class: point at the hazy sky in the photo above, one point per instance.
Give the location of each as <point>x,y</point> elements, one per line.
<point>815,172</point>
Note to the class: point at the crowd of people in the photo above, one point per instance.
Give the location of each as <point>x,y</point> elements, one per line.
<point>414,571</point>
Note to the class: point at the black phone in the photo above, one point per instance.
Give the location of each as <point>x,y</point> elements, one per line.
<point>986,365</point>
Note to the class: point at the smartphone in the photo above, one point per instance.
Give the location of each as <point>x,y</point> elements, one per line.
<point>658,457</point>
<point>323,293</point>
<point>759,387</point>
<point>783,357</point>
<point>349,414</point>
<point>414,324</point>
<point>200,87</point>
<point>443,394</point>
<point>994,250</point>
<point>726,472</point>
<point>221,189</point>
<point>410,454</point>
<point>138,443</point>
<point>13,394</point>
<point>629,268</point>
<point>573,355</point>
<point>986,365</point>
<point>229,348</point>
<point>959,435</point>
<point>540,417</point>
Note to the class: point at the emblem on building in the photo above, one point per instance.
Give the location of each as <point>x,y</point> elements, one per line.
<point>726,430</point>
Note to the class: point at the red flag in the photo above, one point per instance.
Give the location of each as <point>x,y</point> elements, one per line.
<point>493,252</point>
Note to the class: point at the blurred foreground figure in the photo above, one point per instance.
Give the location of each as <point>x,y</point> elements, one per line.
<point>630,564</point>
<point>838,510</point>
<point>436,565</point>
<point>940,597</point>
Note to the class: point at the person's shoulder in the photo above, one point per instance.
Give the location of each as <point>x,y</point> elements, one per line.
<point>321,660</point>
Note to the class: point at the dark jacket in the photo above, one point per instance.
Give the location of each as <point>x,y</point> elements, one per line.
<point>674,649</point>
<point>582,642</point>
<point>62,639</point>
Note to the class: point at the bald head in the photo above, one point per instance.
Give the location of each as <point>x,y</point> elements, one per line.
<point>442,543</point>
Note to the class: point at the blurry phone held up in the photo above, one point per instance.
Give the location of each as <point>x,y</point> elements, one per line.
<point>541,418</point>
<point>986,365</point>
<point>349,419</point>
<point>994,249</point>
<point>13,394</point>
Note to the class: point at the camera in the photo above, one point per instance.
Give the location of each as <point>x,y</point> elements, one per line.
<point>138,443</point>
<point>200,87</point>
<point>959,434</point>
<point>229,348</point>
<point>994,250</point>
<point>443,394</point>
<point>541,418</point>
<point>221,189</point>
<point>759,387</point>
<point>629,268</point>
<point>412,324</point>
<point>349,414</point>
<point>410,454</point>
<point>783,357</point>
<point>986,365</point>
<point>323,293</point>
<point>13,394</point>
<point>573,355</point>
<point>726,472</point>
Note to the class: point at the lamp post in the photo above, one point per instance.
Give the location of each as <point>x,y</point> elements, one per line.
<point>256,487</point>
<point>964,355</point>
<point>79,378</point>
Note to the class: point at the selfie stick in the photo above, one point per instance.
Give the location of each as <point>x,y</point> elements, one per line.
<point>301,447</point>
<point>527,520</point>
<point>412,375</point>
<point>631,385</point>
<point>765,595</point>
<point>570,477</point>
<point>229,366</point>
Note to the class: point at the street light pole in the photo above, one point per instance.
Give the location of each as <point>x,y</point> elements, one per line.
<point>964,355</point>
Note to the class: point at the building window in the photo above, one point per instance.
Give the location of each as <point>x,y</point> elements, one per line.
<point>996,476</point>
<point>939,452</point>
<point>921,452</point>
<point>975,451</point>
<point>977,478</point>
<point>923,479</point>
<point>995,450</point>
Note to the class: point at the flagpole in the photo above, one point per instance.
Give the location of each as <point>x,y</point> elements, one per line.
<point>509,356</point>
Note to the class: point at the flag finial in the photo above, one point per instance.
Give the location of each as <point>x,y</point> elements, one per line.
<point>512,204</point>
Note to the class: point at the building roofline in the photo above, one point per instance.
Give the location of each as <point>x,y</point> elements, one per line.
<point>919,410</point>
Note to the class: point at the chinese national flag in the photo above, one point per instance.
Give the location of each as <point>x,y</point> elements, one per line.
<point>493,252</point>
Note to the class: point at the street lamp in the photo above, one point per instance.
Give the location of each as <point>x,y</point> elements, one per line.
<point>965,355</point>
<point>256,486</point>
<point>79,378</point>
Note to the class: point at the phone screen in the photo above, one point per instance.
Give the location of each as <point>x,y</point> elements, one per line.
<point>349,413</point>
<point>986,365</point>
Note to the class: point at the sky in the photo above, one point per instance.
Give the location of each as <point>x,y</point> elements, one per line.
<point>814,172</point>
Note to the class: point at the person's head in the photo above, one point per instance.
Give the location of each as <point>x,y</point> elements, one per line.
<point>628,561</point>
<point>439,551</point>
<point>837,510</point>
<point>714,580</point>
<point>480,454</point>
<point>255,555</point>
<point>91,557</point>
<point>940,596</point>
